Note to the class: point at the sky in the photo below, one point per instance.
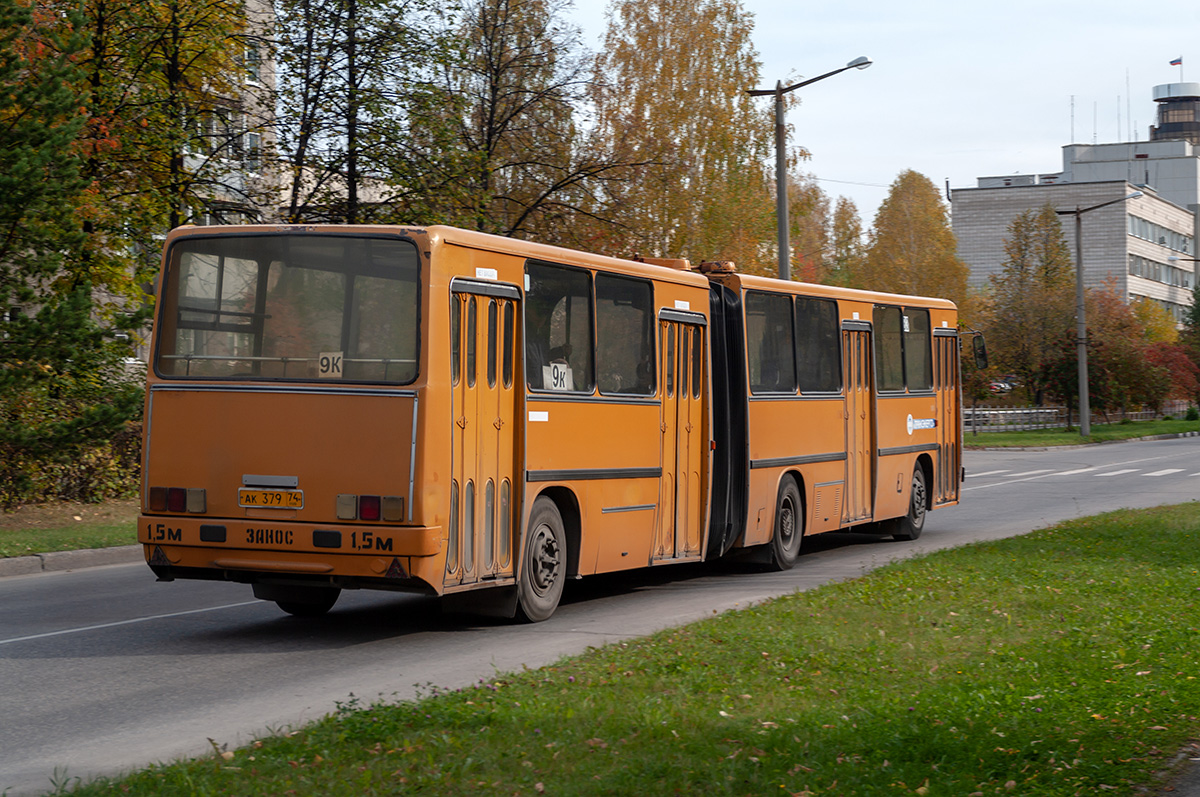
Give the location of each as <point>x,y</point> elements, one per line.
<point>960,89</point>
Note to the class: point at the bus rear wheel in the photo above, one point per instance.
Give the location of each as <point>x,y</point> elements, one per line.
<point>312,602</point>
<point>789,526</point>
<point>544,558</point>
<point>909,527</point>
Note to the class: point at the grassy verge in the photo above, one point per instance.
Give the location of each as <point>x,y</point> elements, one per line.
<point>1062,437</point>
<point>64,526</point>
<point>1058,663</point>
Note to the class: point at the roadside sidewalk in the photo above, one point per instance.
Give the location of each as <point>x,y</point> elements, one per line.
<point>70,560</point>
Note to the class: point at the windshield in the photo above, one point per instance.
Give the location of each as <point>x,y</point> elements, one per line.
<point>304,307</point>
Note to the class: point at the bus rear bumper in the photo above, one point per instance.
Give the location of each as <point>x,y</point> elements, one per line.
<point>251,550</point>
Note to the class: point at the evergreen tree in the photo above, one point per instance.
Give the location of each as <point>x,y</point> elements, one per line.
<point>913,249</point>
<point>59,389</point>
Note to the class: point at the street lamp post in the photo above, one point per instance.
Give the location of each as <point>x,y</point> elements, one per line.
<point>1085,408</point>
<point>781,199</point>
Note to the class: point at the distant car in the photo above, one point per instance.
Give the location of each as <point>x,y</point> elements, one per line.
<point>999,387</point>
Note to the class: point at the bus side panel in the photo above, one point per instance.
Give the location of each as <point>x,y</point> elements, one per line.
<point>906,428</point>
<point>607,454</point>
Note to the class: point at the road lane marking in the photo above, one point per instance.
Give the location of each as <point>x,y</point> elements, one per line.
<point>81,629</point>
<point>1164,472</point>
<point>1117,472</point>
<point>1073,472</point>
<point>985,473</point>
<point>1032,472</point>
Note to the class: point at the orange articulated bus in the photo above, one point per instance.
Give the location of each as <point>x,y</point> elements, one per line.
<point>476,417</point>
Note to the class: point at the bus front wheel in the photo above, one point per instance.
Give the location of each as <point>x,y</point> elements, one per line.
<point>544,563</point>
<point>789,526</point>
<point>909,527</point>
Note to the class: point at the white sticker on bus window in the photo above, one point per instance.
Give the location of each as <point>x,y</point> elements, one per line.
<point>855,315</point>
<point>527,283</point>
<point>487,274</point>
<point>536,416</point>
<point>905,323</point>
<point>557,376</point>
<point>329,365</point>
<point>682,305</point>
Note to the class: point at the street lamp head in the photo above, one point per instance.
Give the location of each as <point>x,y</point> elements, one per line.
<point>862,62</point>
<point>1135,195</point>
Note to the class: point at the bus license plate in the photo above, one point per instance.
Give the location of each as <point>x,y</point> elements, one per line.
<point>271,499</point>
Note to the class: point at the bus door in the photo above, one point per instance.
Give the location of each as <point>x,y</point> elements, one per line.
<point>681,382</point>
<point>860,465</point>
<point>482,357</point>
<point>946,381</point>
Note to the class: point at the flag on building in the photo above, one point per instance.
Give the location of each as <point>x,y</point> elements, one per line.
<point>1178,61</point>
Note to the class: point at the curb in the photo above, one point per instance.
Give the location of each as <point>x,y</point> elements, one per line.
<point>1173,436</point>
<point>58,561</point>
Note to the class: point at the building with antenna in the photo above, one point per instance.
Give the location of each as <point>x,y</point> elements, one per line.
<point>1144,247</point>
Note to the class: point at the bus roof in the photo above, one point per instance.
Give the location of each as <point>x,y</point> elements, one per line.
<point>836,292</point>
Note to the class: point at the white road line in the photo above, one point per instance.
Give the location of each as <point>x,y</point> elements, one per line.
<point>1019,477</point>
<point>1073,472</point>
<point>125,622</point>
<point>985,473</point>
<point>1117,472</point>
<point>1166,472</point>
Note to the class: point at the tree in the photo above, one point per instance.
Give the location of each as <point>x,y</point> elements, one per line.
<point>1032,298</point>
<point>808,209</point>
<point>846,251</point>
<point>671,91</point>
<point>56,358</point>
<point>496,143</point>
<point>913,249</point>
<point>1157,323</point>
<point>350,72</point>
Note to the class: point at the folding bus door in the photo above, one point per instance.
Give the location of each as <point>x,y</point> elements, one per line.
<point>483,344</point>
<point>681,386</point>
<point>949,415</point>
<point>860,463</point>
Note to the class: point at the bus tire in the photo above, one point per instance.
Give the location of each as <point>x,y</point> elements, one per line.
<point>312,602</point>
<point>789,526</point>
<point>909,527</point>
<point>543,563</point>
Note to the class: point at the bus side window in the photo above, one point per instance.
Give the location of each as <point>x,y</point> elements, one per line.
<point>918,368</point>
<point>558,328</point>
<point>889,349</point>
<point>818,346</point>
<point>770,346</point>
<point>624,335</point>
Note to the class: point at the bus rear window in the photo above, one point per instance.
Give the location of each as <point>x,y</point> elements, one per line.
<point>297,307</point>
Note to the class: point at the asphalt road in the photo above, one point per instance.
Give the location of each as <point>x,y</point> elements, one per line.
<point>103,669</point>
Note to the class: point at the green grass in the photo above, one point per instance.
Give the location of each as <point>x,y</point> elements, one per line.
<point>1057,663</point>
<point>20,542</point>
<point>1063,437</point>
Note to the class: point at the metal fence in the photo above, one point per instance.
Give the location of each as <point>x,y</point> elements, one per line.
<point>988,418</point>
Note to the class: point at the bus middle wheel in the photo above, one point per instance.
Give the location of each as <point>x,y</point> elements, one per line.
<point>544,563</point>
<point>789,526</point>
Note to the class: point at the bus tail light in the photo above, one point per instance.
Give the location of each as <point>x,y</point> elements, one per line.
<point>368,507</point>
<point>178,499</point>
